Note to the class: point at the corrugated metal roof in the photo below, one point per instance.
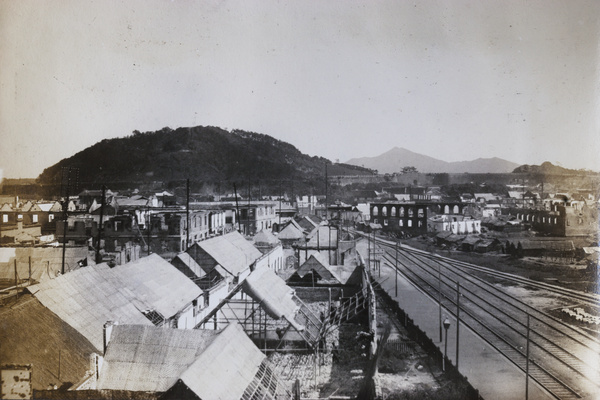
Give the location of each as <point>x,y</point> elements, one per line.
<point>234,361</point>
<point>87,298</point>
<point>156,282</point>
<point>268,289</point>
<point>148,358</point>
<point>234,253</point>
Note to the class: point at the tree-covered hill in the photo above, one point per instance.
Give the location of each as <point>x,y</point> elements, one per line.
<point>201,154</point>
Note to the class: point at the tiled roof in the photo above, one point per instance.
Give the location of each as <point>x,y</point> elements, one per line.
<point>87,298</point>
<point>156,282</point>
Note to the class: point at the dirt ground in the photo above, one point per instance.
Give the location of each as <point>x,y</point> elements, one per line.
<point>406,371</point>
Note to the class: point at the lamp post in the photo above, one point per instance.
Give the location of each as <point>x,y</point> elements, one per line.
<point>446,326</point>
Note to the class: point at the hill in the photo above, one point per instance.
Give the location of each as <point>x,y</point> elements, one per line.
<point>398,158</point>
<point>202,154</point>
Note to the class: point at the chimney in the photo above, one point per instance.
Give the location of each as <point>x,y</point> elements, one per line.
<point>107,331</point>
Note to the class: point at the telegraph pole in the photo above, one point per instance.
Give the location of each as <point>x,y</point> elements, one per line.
<point>187,215</point>
<point>65,218</point>
<point>100,225</point>
<point>457,318</point>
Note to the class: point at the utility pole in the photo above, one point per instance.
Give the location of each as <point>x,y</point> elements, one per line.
<point>187,215</point>
<point>65,217</point>
<point>148,219</point>
<point>457,319</point>
<point>396,268</point>
<point>440,298</point>
<point>237,207</point>
<point>326,195</point>
<point>527,363</point>
<point>100,226</point>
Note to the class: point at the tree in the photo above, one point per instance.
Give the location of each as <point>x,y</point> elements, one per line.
<point>406,170</point>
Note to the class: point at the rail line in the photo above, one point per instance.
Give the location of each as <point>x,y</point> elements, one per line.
<point>559,357</point>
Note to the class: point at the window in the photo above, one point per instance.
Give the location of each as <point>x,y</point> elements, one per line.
<point>401,222</point>
<point>375,221</point>
<point>402,211</point>
<point>385,222</point>
<point>375,211</point>
<point>20,217</point>
<point>35,218</point>
<point>411,212</point>
<point>384,211</point>
<point>421,213</point>
<point>50,217</point>
<point>117,226</point>
<point>5,218</point>
<point>410,223</point>
<point>420,224</point>
<point>393,212</point>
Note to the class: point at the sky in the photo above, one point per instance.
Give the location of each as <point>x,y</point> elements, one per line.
<point>452,79</point>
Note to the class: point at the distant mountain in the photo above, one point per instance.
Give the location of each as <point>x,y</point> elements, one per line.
<point>398,158</point>
<point>202,154</point>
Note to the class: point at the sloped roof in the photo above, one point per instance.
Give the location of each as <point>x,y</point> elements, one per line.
<point>234,361</point>
<point>32,334</point>
<point>319,263</point>
<point>47,207</point>
<point>265,238</point>
<point>148,358</point>
<point>292,231</point>
<point>87,298</point>
<point>187,260</point>
<point>156,282</point>
<point>234,253</point>
<point>268,289</point>
<point>471,240</point>
<point>135,201</point>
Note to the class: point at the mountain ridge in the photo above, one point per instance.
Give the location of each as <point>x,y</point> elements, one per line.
<point>397,158</point>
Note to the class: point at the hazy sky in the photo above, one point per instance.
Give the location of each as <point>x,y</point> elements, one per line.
<point>455,80</point>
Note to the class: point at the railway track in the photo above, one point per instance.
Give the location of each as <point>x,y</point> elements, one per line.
<point>559,355</point>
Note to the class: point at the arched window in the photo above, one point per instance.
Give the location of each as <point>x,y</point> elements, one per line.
<point>393,211</point>
<point>375,211</point>
<point>384,211</point>
<point>446,209</point>
<point>455,210</point>
<point>410,212</point>
<point>402,211</point>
